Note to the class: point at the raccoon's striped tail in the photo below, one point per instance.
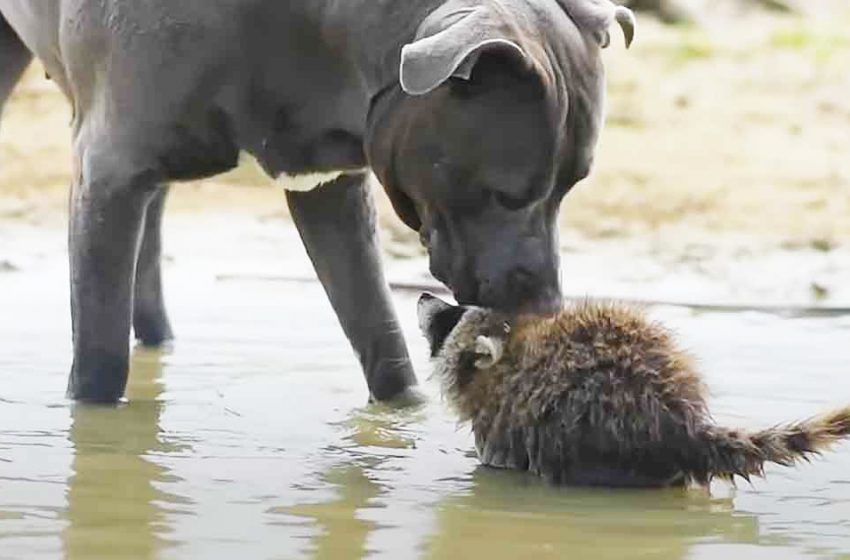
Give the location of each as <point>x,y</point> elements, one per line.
<point>725,453</point>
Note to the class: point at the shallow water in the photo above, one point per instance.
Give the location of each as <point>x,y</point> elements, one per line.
<point>251,437</point>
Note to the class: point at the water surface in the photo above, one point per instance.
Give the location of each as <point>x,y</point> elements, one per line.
<point>251,438</point>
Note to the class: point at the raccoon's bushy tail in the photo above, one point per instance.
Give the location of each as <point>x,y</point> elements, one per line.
<point>726,453</point>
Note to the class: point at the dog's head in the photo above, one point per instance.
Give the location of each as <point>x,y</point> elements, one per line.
<point>496,118</point>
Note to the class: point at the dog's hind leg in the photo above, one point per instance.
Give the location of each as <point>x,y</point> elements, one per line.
<point>150,320</point>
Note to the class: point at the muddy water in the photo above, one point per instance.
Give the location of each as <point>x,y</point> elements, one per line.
<point>250,437</point>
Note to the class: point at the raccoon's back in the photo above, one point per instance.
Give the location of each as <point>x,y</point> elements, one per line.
<point>595,359</point>
<point>599,395</point>
<point>602,431</point>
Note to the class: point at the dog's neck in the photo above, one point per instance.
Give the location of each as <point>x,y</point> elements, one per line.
<point>375,31</point>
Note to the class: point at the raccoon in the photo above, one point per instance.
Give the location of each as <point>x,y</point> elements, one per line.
<point>597,395</point>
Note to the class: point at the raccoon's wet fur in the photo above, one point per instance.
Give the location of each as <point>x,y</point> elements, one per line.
<point>597,395</point>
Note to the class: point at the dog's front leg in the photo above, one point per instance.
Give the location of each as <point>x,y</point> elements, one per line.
<point>337,223</point>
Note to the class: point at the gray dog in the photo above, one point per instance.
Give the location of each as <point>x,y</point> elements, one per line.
<point>477,116</point>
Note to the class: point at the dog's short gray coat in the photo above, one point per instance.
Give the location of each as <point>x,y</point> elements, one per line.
<point>476,115</point>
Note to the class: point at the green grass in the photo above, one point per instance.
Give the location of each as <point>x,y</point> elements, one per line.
<point>796,39</point>
<point>823,44</point>
<point>693,47</point>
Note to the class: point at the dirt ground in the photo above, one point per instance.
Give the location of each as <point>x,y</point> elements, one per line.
<point>737,127</point>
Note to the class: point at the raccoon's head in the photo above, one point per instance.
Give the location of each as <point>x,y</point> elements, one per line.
<point>464,340</point>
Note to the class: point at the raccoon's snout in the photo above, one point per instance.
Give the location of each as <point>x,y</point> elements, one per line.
<point>437,318</point>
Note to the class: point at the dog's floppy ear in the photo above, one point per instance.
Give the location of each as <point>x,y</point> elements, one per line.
<point>449,43</point>
<point>437,318</point>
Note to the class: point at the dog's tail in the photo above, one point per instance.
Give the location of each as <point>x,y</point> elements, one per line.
<point>725,453</point>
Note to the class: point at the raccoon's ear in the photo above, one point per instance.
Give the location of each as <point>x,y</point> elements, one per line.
<point>437,318</point>
<point>488,351</point>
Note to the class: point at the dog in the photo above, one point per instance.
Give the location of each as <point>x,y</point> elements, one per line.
<point>477,117</point>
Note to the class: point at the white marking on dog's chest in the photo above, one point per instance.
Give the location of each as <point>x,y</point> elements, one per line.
<point>309,181</point>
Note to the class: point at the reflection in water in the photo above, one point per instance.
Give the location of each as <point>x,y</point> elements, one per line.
<point>511,515</point>
<point>342,534</point>
<point>114,504</point>
<point>496,514</point>
<point>382,426</point>
<point>371,433</point>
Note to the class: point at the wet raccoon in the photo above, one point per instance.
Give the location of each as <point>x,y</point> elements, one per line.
<point>597,395</point>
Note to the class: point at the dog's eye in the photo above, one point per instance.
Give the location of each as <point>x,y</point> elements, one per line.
<point>510,201</point>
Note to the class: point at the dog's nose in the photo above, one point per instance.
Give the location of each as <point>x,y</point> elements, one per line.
<point>547,301</point>
<point>521,290</point>
<point>467,292</point>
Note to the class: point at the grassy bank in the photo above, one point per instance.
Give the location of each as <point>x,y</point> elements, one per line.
<point>738,126</point>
